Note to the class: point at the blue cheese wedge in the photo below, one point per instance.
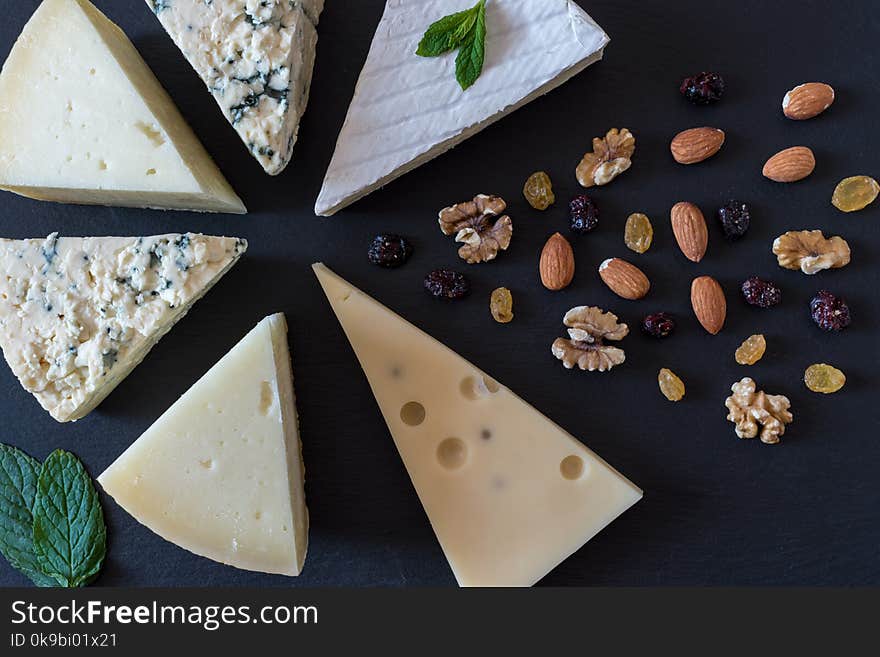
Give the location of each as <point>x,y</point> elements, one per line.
<point>84,120</point>
<point>256,57</point>
<point>509,493</point>
<point>408,110</point>
<point>220,473</point>
<point>77,315</point>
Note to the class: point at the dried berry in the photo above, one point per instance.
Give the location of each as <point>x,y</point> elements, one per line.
<point>735,218</point>
<point>501,305</point>
<point>538,191</point>
<point>758,292</point>
<point>389,251</point>
<point>824,378</point>
<point>639,233</point>
<point>703,89</point>
<point>671,386</point>
<point>855,193</point>
<point>584,214</point>
<point>447,284</point>
<point>658,325</point>
<point>830,312</point>
<point>751,350</point>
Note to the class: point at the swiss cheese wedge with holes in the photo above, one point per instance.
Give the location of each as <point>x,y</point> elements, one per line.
<point>509,493</point>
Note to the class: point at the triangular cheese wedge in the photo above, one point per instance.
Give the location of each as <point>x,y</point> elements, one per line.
<point>408,109</point>
<point>77,315</point>
<point>256,58</point>
<point>220,473</point>
<point>509,493</point>
<point>84,120</point>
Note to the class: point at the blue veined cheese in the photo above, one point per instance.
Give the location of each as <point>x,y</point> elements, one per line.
<point>78,314</point>
<point>220,473</point>
<point>407,109</point>
<point>84,120</point>
<point>256,57</point>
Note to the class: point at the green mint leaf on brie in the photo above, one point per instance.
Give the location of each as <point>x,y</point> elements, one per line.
<point>70,537</point>
<point>18,488</point>
<point>466,31</point>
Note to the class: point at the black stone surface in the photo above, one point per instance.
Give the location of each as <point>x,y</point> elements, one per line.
<point>717,510</point>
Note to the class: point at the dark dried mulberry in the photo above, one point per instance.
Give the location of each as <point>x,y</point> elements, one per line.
<point>447,284</point>
<point>703,88</point>
<point>658,325</point>
<point>389,251</point>
<point>830,312</point>
<point>758,292</point>
<point>584,214</point>
<point>735,218</point>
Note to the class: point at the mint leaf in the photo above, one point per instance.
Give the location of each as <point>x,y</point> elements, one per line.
<point>18,486</point>
<point>446,34</point>
<point>70,539</point>
<point>469,63</point>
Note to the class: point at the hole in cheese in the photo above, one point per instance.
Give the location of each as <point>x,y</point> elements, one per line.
<point>413,413</point>
<point>267,397</point>
<point>572,467</point>
<point>151,132</point>
<point>478,387</point>
<point>151,172</point>
<point>452,453</point>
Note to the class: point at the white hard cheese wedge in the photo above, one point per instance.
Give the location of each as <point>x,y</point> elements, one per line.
<point>78,314</point>
<point>509,493</point>
<point>84,120</point>
<point>408,109</point>
<point>256,57</point>
<point>220,473</point>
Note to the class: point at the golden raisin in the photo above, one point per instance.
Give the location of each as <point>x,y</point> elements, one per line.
<point>855,193</point>
<point>639,233</point>
<point>824,378</point>
<point>501,305</point>
<point>751,351</point>
<point>538,191</point>
<point>670,385</point>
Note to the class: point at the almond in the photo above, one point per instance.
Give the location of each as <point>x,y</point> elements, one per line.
<point>710,306</point>
<point>790,165</point>
<point>691,232</point>
<point>557,263</point>
<point>624,279</point>
<point>807,100</point>
<point>696,144</point>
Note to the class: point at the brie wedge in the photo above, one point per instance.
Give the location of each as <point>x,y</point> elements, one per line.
<point>256,57</point>
<point>220,473</point>
<point>77,315</point>
<point>408,109</point>
<point>509,493</point>
<point>84,120</point>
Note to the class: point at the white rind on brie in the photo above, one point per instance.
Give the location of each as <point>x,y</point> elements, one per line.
<point>84,120</point>
<point>256,58</point>
<point>408,110</point>
<point>77,315</point>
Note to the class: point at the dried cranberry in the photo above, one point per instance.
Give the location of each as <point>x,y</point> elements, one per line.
<point>758,292</point>
<point>389,251</point>
<point>735,218</point>
<point>447,284</point>
<point>658,325</point>
<point>584,214</point>
<point>703,88</point>
<point>830,312</point>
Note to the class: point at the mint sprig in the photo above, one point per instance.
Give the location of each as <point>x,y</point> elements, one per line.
<point>51,522</point>
<point>18,488</point>
<point>466,31</point>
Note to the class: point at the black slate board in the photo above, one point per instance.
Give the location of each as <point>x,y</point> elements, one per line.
<point>717,510</point>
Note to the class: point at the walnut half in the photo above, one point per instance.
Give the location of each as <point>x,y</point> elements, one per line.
<point>749,408</point>
<point>810,251</point>
<point>611,156</point>
<point>589,327</point>
<point>477,225</point>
